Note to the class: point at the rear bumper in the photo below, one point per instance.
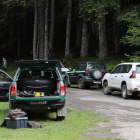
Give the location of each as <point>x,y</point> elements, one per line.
<point>133,86</point>
<point>91,81</point>
<point>26,105</point>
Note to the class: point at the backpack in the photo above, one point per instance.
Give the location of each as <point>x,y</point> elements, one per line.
<point>17,113</point>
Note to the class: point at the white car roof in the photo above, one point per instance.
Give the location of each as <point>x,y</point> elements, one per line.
<point>130,63</point>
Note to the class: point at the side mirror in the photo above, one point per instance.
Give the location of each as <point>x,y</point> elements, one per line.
<point>109,71</point>
<point>70,69</point>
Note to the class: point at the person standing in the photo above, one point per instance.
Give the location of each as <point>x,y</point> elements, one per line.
<point>4,65</point>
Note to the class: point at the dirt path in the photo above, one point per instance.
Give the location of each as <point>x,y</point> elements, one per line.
<point>124,115</point>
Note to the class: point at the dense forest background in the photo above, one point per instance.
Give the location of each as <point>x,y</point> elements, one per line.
<point>48,29</point>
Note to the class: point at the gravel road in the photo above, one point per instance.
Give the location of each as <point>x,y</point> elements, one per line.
<point>124,115</point>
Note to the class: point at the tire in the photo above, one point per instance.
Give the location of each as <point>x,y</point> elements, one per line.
<point>81,85</point>
<point>105,88</point>
<point>96,74</point>
<point>61,113</point>
<point>66,82</point>
<point>10,107</point>
<point>60,118</point>
<point>100,86</point>
<point>124,91</point>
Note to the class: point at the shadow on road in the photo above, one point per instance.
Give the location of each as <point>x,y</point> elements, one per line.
<point>119,95</point>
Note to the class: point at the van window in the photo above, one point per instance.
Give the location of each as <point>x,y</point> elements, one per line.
<point>96,65</point>
<point>125,68</point>
<point>117,69</point>
<point>138,69</point>
<point>33,74</point>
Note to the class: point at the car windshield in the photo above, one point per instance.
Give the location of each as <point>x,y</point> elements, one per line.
<point>59,64</point>
<point>96,65</point>
<point>37,74</point>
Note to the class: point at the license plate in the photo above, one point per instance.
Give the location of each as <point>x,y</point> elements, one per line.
<point>96,82</point>
<point>38,103</point>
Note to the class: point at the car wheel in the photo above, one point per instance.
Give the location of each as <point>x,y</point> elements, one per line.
<point>81,84</point>
<point>66,82</point>
<point>10,107</point>
<point>124,91</point>
<point>105,88</point>
<point>61,113</point>
<point>60,118</point>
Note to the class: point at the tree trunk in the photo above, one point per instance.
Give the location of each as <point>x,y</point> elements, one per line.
<point>93,24</point>
<point>35,32</point>
<point>46,49</point>
<point>18,36</point>
<point>52,25</point>
<point>116,34</point>
<point>67,49</point>
<point>38,34</point>
<point>42,30</point>
<point>84,44</point>
<point>102,36</point>
<point>79,28</point>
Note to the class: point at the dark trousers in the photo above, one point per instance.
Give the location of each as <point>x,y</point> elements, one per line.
<point>4,69</point>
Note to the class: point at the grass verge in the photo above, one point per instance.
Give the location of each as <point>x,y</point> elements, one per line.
<point>76,122</point>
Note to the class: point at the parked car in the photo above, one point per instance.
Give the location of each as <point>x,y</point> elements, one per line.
<point>59,64</point>
<point>85,74</point>
<point>36,87</point>
<point>125,77</point>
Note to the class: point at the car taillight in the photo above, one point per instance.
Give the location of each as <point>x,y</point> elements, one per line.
<point>105,71</point>
<point>13,90</point>
<point>62,90</point>
<point>86,70</point>
<point>133,74</point>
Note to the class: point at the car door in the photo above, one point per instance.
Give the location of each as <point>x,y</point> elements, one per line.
<point>72,74</point>
<point>5,82</point>
<point>124,73</point>
<point>113,82</point>
<point>81,69</point>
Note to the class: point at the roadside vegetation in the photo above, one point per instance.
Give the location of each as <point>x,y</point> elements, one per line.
<point>110,62</point>
<point>76,123</point>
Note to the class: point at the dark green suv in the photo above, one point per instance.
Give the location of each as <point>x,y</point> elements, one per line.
<point>86,74</point>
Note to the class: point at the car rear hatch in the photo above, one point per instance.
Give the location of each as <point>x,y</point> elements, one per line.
<point>136,75</point>
<point>32,64</point>
<point>39,64</point>
<point>92,66</point>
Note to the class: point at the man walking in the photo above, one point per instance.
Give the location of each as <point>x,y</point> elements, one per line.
<point>4,65</point>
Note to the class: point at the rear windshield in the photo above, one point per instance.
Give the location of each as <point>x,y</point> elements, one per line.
<point>38,74</point>
<point>96,65</point>
<point>138,69</point>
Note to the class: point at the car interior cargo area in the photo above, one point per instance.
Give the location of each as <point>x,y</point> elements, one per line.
<point>37,83</point>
